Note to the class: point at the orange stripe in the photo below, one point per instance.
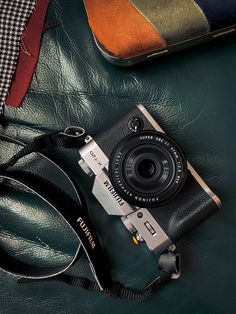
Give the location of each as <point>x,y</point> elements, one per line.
<point>121,29</point>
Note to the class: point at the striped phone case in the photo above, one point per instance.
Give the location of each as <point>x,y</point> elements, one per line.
<point>132,31</point>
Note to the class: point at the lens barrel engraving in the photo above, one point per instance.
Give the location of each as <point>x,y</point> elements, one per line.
<point>147,168</point>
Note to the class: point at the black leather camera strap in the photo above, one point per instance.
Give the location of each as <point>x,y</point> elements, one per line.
<point>75,215</point>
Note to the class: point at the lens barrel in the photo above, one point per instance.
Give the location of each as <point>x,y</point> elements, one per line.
<point>147,168</point>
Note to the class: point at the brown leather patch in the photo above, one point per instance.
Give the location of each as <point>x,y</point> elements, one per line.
<point>121,29</point>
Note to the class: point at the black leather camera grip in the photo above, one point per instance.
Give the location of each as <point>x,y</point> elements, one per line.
<point>187,210</point>
<point>108,139</point>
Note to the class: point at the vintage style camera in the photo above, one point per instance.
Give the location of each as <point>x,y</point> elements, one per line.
<point>142,175</point>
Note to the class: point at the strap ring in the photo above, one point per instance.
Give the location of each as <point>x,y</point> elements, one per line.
<point>73,131</point>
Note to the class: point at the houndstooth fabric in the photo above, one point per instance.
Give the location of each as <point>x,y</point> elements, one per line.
<point>14,15</point>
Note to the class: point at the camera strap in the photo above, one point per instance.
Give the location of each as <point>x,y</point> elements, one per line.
<point>75,215</point>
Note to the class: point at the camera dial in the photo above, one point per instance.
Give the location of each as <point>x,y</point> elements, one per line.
<point>147,168</point>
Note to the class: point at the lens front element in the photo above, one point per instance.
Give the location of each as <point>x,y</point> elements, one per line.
<point>147,168</point>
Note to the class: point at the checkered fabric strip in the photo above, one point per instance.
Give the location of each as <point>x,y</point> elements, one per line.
<point>14,15</point>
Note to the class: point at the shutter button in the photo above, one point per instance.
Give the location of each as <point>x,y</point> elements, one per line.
<point>135,124</point>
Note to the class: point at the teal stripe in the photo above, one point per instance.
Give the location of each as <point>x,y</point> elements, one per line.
<point>175,20</point>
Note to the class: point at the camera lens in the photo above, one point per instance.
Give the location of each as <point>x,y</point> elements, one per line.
<point>147,168</point>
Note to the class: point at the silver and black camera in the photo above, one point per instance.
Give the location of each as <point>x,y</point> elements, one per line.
<point>142,176</point>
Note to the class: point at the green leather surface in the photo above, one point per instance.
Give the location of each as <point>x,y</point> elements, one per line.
<point>192,94</point>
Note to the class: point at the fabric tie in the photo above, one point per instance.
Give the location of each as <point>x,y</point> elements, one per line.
<point>29,53</point>
<point>13,18</point>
